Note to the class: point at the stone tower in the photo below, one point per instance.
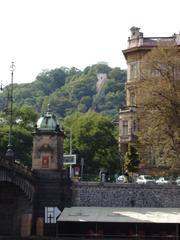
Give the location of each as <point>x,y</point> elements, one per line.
<point>52,181</point>
<point>47,143</point>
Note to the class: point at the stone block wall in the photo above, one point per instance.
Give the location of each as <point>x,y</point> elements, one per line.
<point>125,195</point>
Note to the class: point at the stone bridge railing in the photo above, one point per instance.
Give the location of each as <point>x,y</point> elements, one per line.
<point>125,195</point>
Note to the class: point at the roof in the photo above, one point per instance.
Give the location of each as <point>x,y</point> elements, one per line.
<point>124,215</point>
<point>47,122</point>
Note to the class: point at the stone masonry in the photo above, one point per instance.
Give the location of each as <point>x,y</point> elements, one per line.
<point>125,195</point>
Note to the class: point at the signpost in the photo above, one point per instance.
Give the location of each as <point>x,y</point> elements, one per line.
<point>69,159</point>
<point>51,214</point>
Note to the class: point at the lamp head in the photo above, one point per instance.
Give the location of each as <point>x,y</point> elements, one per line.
<point>12,67</point>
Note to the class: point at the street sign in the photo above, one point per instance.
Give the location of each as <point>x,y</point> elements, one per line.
<point>51,214</point>
<point>69,159</point>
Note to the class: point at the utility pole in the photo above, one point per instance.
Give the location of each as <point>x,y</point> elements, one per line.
<point>70,142</point>
<point>70,151</point>
<point>82,168</point>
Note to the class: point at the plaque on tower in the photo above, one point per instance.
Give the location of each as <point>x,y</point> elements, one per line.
<point>45,161</point>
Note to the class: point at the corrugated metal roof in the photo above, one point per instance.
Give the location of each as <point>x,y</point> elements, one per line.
<point>124,215</point>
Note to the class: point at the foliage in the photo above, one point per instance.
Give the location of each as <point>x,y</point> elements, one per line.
<point>23,122</point>
<point>70,90</point>
<point>26,116</point>
<point>93,138</point>
<point>21,140</point>
<point>159,104</point>
<point>49,81</point>
<point>72,95</point>
<point>131,159</point>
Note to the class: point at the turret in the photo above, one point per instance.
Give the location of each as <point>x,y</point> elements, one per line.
<point>47,143</point>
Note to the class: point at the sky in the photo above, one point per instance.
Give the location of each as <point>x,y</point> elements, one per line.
<point>40,35</point>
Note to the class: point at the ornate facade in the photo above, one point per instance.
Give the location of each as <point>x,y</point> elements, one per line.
<point>138,47</point>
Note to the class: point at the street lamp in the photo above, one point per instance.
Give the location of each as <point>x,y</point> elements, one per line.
<point>10,152</point>
<point>70,142</point>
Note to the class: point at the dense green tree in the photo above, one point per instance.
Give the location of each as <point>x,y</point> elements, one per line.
<point>23,122</point>
<point>49,81</point>
<point>93,138</point>
<point>21,141</point>
<point>26,116</point>
<point>97,68</point>
<point>131,159</point>
<point>69,90</point>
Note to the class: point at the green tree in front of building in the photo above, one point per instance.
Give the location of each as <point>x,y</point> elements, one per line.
<point>131,159</point>
<point>93,139</point>
<point>159,104</point>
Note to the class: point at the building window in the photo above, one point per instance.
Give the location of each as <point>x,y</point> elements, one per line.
<point>125,128</point>
<point>132,70</point>
<point>132,99</point>
<point>134,126</point>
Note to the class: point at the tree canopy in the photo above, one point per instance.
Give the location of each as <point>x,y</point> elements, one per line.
<point>24,119</point>
<point>72,94</point>
<point>70,90</point>
<point>131,159</point>
<point>159,104</point>
<point>94,140</point>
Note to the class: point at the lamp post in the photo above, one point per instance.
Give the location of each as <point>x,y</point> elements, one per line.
<point>10,152</point>
<point>70,151</point>
<point>70,142</point>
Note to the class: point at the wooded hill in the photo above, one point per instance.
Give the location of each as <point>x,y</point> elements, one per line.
<point>98,87</point>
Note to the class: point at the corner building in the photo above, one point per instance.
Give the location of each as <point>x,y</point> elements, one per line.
<point>138,47</point>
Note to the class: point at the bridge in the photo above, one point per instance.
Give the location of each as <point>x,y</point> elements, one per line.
<point>16,197</point>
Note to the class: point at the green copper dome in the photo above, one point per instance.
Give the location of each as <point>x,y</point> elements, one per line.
<point>47,122</point>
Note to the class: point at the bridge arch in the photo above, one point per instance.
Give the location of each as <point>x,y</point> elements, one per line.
<point>16,199</point>
<point>19,177</point>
